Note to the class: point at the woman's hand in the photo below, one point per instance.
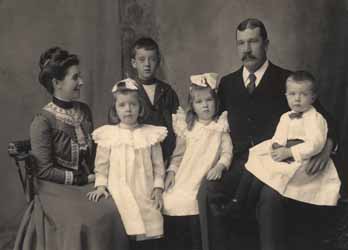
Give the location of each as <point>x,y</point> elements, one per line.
<point>98,193</point>
<point>157,196</point>
<point>91,178</point>
<point>169,181</point>
<point>216,172</point>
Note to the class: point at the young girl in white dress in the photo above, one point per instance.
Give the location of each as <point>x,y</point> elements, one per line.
<point>129,166</point>
<point>203,150</point>
<point>301,134</point>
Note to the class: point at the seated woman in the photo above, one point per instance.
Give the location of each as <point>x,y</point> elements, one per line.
<point>61,217</point>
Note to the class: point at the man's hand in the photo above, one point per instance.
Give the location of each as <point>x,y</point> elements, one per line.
<point>319,161</point>
<point>281,153</point>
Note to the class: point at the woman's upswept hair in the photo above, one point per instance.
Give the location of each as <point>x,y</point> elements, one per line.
<point>54,64</point>
<point>113,117</point>
<point>191,115</point>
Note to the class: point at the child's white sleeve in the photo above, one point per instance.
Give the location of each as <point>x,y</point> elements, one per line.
<point>280,135</point>
<point>102,164</point>
<point>158,166</point>
<point>316,133</point>
<point>226,150</point>
<point>178,154</point>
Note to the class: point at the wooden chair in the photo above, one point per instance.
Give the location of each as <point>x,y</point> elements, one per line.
<point>20,152</point>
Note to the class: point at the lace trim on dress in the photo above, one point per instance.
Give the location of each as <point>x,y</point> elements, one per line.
<point>180,126</point>
<point>141,137</point>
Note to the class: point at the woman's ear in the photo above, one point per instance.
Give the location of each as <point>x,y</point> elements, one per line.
<point>55,83</point>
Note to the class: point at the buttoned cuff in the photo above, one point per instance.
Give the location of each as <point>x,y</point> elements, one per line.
<point>296,154</point>
<point>101,181</point>
<point>173,168</point>
<point>158,183</point>
<point>224,162</point>
<point>69,178</point>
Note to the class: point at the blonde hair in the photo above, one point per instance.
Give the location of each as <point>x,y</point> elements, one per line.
<point>113,117</point>
<point>301,76</point>
<point>191,115</point>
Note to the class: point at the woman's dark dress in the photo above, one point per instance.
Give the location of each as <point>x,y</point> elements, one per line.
<point>61,217</point>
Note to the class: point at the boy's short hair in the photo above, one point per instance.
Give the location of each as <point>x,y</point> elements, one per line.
<point>302,75</point>
<point>146,43</point>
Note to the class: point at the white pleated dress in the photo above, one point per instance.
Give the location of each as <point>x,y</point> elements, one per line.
<point>196,152</point>
<point>130,164</point>
<point>290,179</point>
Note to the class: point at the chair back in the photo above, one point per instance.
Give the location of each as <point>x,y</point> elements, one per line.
<point>20,152</point>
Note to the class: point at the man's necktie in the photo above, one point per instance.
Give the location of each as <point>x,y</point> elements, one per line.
<point>251,85</point>
<point>295,115</point>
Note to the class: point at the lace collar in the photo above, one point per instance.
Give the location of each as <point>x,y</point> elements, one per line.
<point>141,137</point>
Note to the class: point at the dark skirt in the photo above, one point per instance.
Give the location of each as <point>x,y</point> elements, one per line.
<point>62,218</point>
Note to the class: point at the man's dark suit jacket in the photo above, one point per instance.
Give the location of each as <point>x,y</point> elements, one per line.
<point>254,118</point>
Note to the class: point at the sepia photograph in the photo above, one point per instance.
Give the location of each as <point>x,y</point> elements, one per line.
<point>174,125</point>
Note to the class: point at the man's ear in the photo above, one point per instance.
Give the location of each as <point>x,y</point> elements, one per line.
<point>266,43</point>
<point>134,63</point>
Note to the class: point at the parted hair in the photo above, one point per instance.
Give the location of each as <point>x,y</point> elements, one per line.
<point>146,43</point>
<point>252,23</point>
<point>54,64</point>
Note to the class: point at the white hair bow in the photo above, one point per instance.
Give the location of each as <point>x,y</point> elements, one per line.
<point>127,83</point>
<point>205,80</point>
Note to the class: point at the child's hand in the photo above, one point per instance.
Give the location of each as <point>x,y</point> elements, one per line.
<point>157,196</point>
<point>281,154</point>
<point>216,172</point>
<point>275,145</point>
<point>98,193</point>
<point>169,181</point>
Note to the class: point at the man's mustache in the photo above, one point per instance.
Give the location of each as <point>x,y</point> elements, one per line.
<point>248,56</point>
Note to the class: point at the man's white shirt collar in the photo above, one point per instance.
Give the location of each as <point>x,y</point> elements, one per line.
<point>258,73</point>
